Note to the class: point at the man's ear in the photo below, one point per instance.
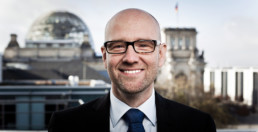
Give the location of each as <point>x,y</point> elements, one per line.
<point>162,54</point>
<point>104,56</point>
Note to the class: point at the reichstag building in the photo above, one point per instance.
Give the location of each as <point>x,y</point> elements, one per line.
<point>58,68</point>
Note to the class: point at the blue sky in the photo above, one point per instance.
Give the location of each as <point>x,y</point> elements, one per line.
<point>227,29</point>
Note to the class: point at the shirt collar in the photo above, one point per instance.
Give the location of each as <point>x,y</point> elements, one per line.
<point>149,108</point>
<point>119,108</point>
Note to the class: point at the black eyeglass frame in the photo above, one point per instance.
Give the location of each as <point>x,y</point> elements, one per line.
<point>156,42</point>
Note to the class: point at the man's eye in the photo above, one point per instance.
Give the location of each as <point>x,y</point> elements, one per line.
<point>118,46</point>
<point>143,45</point>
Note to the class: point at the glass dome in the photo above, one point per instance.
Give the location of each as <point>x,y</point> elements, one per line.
<point>58,28</point>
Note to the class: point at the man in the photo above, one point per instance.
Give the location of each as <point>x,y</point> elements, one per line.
<point>132,55</point>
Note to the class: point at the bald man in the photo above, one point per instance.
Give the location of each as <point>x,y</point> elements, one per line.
<point>132,54</point>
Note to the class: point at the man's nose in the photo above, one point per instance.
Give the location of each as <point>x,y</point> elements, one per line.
<point>130,55</point>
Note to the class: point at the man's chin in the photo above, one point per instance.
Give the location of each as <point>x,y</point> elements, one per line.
<point>132,90</point>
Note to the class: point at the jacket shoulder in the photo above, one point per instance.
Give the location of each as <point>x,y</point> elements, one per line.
<point>81,117</point>
<point>178,116</point>
<point>85,108</point>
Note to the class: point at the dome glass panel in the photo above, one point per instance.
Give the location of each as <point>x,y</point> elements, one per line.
<point>58,27</point>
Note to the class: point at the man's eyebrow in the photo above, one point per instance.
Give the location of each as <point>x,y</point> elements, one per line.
<point>133,40</point>
<point>117,40</point>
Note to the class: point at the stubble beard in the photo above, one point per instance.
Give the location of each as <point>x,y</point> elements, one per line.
<point>130,86</point>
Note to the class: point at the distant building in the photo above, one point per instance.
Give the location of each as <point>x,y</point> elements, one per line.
<point>58,45</point>
<point>184,67</point>
<point>29,107</point>
<point>238,84</point>
<point>1,64</point>
<point>56,69</point>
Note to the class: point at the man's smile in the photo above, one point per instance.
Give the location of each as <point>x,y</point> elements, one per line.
<point>131,71</point>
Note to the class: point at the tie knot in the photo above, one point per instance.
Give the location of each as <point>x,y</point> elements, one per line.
<point>134,116</point>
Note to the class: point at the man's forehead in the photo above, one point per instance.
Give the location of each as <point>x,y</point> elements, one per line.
<point>131,18</point>
<point>132,14</point>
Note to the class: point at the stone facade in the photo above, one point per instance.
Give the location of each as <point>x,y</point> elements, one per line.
<point>184,67</point>
<point>56,38</point>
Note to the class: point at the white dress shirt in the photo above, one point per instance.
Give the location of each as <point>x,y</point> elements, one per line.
<point>119,108</point>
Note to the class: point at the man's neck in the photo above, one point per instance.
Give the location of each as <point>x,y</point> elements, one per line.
<point>133,100</point>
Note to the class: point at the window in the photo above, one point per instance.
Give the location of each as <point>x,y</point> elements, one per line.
<point>212,82</point>
<point>180,43</point>
<point>224,83</point>
<point>255,89</point>
<point>55,45</point>
<point>239,87</point>
<point>42,46</point>
<point>48,45</point>
<point>172,42</point>
<point>31,45</point>
<point>187,43</point>
<point>7,116</point>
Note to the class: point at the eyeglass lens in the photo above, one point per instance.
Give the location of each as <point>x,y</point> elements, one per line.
<point>139,46</point>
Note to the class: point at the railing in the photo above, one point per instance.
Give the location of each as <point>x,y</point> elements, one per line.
<point>23,131</point>
<point>219,130</point>
<point>234,130</point>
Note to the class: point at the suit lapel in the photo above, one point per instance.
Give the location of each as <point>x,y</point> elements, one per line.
<point>164,120</point>
<point>102,108</point>
<point>161,112</point>
<point>166,116</point>
<point>169,115</point>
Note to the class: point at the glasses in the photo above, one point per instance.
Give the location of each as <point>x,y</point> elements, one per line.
<point>139,46</point>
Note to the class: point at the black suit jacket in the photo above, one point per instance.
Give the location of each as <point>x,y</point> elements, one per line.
<point>94,116</point>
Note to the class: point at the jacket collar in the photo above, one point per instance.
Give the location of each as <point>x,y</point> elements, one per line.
<point>102,107</point>
<point>163,120</point>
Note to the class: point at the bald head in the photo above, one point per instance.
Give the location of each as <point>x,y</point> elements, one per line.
<point>132,24</point>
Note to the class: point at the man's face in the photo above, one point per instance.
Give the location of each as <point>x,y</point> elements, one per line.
<point>132,72</point>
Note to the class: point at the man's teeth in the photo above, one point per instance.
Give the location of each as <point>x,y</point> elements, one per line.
<point>134,71</point>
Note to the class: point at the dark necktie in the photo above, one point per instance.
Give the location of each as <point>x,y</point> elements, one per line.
<point>134,117</point>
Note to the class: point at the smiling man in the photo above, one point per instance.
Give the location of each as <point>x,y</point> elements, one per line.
<point>132,54</point>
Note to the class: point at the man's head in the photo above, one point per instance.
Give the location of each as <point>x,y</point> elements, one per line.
<point>131,17</point>
<point>132,72</point>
